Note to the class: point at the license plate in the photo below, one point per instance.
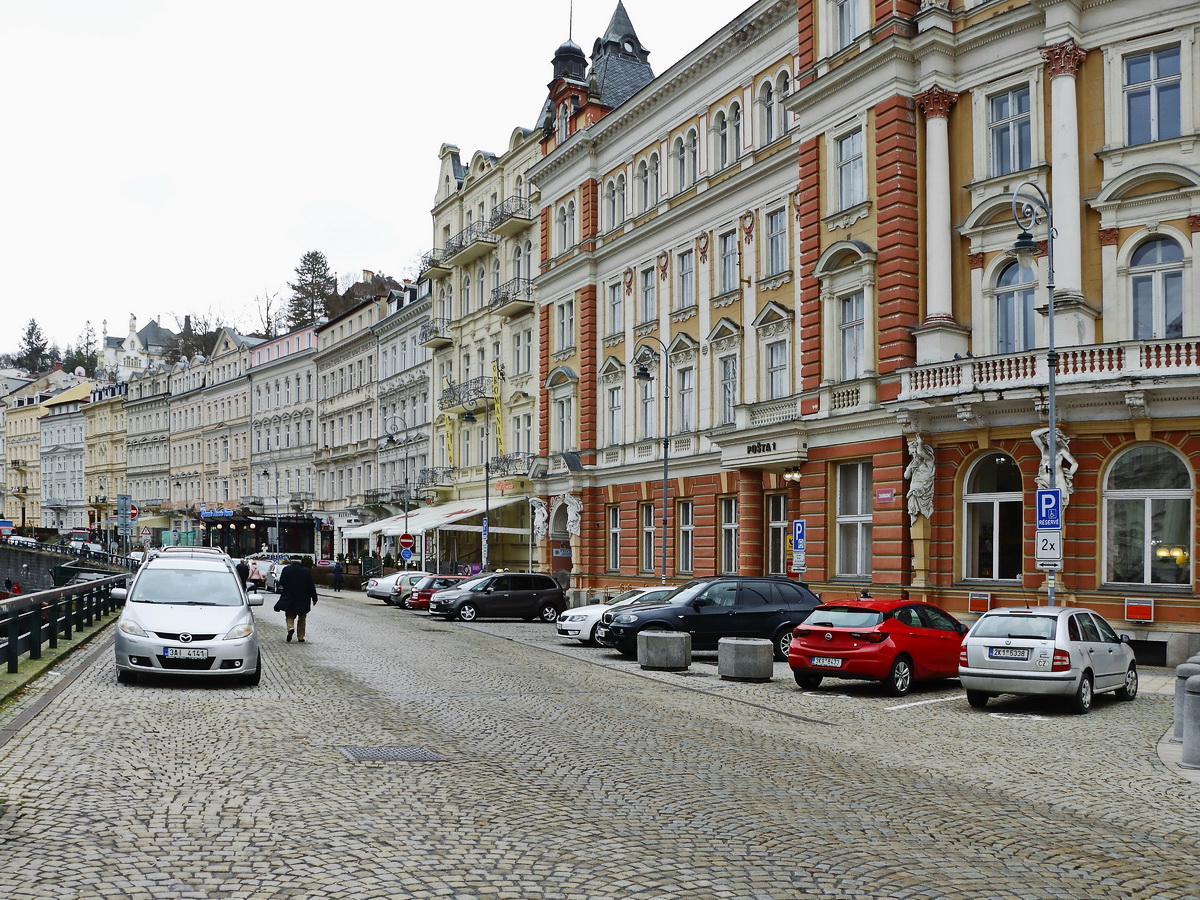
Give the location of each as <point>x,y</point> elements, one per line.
<point>1008,653</point>
<point>828,661</point>
<point>185,653</point>
<point>601,631</point>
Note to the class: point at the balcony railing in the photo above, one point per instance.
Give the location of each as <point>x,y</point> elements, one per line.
<point>458,395</point>
<point>433,263</point>
<point>378,495</point>
<point>436,476</point>
<point>17,463</point>
<point>1076,365</point>
<point>54,503</point>
<point>474,240</point>
<point>512,464</point>
<point>512,297</point>
<point>512,216</point>
<point>301,496</point>
<point>435,332</point>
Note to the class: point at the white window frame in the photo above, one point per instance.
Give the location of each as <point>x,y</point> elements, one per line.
<point>727,249</point>
<point>616,307</point>
<point>564,324</point>
<point>685,297</point>
<point>1116,128</point>
<point>778,259</point>
<point>850,168</point>
<point>1149,496</point>
<point>1154,86</point>
<point>727,383</point>
<point>647,295</point>
<point>973,504</point>
<point>613,515</point>
<point>1156,272</point>
<point>685,392</point>
<point>647,530</point>
<point>776,375</point>
<point>616,424</point>
<point>779,533</point>
<point>854,517</point>
<point>1006,131</point>
<point>727,558</point>
<point>685,517</point>
<point>852,334</point>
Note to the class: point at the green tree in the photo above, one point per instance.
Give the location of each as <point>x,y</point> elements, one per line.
<point>33,353</point>
<point>83,353</point>
<point>314,287</point>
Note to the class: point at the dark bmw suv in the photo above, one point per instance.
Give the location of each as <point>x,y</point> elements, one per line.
<point>712,608</point>
<point>513,595</point>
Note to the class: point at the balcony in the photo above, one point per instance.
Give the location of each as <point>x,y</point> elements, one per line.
<point>437,476</point>
<point>378,496</point>
<point>512,464</point>
<point>1094,363</point>
<point>435,334</point>
<point>473,394</point>
<point>17,463</point>
<point>433,264</point>
<point>471,243</point>
<point>512,298</point>
<point>54,503</point>
<point>512,216</point>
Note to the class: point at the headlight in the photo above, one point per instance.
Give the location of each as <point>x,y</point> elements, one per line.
<point>576,618</point>
<point>240,631</point>
<point>625,619</point>
<point>130,627</point>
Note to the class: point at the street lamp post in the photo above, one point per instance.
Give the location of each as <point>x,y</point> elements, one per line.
<point>274,463</point>
<point>643,374</point>
<point>394,424</point>
<point>1029,210</point>
<point>469,418</point>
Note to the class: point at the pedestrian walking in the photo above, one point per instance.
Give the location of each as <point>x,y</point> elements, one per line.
<point>337,577</point>
<point>8,585</point>
<point>243,570</point>
<point>297,595</point>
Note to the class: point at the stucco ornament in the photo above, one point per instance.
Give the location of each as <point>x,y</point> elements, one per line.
<point>541,518</point>
<point>1065,464</point>
<point>920,479</point>
<point>574,507</point>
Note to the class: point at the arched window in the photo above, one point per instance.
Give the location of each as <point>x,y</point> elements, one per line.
<point>735,118</point>
<point>768,109</point>
<point>1147,515</point>
<point>496,274</point>
<point>520,187</point>
<point>528,267</point>
<point>1156,287</point>
<point>1014,309</point>
<point>655,180</point>
<point>680,154</point>
<point>479,276</point>
<point>993,506</point>
<point>721,130</point>
<point>610,204</point>
<point>783,86</point>
<point>569,240</point>
<point>466,294</point>
<point>643,186</point>
<point>518,270</point>
<point>562,229</point>
<point>620,211</point>
<point>693,156</point>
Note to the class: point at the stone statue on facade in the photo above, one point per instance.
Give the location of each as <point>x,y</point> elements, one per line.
<point>541,518</point>
<point>919,473</point>
<point>1065,464</point>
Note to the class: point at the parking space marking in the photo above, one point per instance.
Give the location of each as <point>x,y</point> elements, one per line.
<point>925,702</point>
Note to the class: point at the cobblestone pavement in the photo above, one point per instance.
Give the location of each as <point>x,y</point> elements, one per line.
<point>565,773</point>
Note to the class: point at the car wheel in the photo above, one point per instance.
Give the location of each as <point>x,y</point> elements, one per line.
<point>977,699</point>
<point>783,640</point>
<point>806,681</point>
<point>256,676</point>
<point>126,677</point>
<point>591,638</point>
<point>548,613</point>
<point>1129,691</point>
<point>468,612</point>
<point>1082,701</point>
<point>900,679</point>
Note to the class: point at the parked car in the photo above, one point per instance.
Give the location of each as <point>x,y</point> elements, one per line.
<point>271,579</point>
<point>520,595</point>
<point>897,642</point>
<point>581,621</point>
<point>20,540</point>
<point>187,615</point>
<point>418,597</point>
<point>712,608</point>
<point>1046,650</point>
<point>395,588</point>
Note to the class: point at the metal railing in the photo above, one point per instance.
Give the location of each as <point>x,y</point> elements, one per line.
<point>512,464</point>
<point>33,620</point>
<point>513,289</point>
<point>434,328</point>
<point>478,388</point>
<point>513,207</point>
<point>436,475</point>
<point>476,231</point>
<point>435,258</point>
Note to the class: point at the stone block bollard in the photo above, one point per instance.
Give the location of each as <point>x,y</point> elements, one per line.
<point>1191,725</point>
<point>745,659</point>
<point>668,651</point>
<point>1182,674</point>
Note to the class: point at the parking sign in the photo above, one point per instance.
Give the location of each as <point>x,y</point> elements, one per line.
<point>799,542</point>
<point>1049,508</point>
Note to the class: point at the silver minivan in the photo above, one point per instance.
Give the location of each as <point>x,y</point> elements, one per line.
<point>188,615</point>
<point>1046,650</point>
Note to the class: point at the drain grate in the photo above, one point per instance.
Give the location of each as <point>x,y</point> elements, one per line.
<point>389,754</point>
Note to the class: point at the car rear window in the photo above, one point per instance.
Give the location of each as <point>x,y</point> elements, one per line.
<point>1016,625</point>
<point>844,617</point>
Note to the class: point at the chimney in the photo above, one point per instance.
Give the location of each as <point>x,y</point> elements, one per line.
<point>368,275</point>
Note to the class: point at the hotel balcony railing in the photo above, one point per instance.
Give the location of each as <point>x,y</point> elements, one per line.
<point>437,476</point>
<point>435,333</point>
<point>457,396</point>
<point>512,464</point>
<point>473,241</point>
<point>1076,365</point>
<point>513,297</point>
<point>378,495</point>
<point>512,216</point>
<point>433,264</point>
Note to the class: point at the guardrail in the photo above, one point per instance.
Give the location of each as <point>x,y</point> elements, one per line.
<point>31,620</point>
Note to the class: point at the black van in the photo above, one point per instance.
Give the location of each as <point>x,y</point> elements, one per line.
<point>505,595</point>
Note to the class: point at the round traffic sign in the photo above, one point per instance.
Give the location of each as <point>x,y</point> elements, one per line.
<point>406,554</point>
<point>133,510</point>
<point>407,541</point>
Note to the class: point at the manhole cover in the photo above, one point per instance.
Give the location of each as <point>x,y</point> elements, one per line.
<point>389,754</point>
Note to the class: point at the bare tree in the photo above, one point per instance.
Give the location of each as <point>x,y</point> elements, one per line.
<point>270,313</point>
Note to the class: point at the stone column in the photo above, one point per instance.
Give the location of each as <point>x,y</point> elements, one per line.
<point>1064,61</point>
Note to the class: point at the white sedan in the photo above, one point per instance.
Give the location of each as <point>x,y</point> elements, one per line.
<point>394,588</point>
<point>581,621</point>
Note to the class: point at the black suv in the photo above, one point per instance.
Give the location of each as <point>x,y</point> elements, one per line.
<point>517,595</point>
<point>712,608</point>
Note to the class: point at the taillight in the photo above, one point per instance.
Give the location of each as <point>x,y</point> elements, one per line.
<point>962,656</point>
<point>1062,661</point>
<point>870,637</point>
<point>800,632</point>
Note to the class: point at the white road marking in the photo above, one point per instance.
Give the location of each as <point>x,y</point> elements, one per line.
<point>924,702</point>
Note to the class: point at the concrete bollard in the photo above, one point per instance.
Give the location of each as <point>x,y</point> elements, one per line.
<point>1191,725</point>
<point>1182,674</point>
<point>668,651</point>
<point>745,659</point>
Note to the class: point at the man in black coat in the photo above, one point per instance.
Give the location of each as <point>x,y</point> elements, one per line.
<point>297,595</point>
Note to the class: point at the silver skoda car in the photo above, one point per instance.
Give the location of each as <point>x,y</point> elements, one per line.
<point>1046,650</point>
<point>188,614</point>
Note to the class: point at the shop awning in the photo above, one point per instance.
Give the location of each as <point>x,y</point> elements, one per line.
<point>365,531</point>
<point>443,516</point>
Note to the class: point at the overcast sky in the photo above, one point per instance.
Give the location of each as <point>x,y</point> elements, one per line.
<point>167,157</point>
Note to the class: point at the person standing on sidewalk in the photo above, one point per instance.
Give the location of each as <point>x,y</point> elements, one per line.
<point>337,577</point>
<point>297,595</point>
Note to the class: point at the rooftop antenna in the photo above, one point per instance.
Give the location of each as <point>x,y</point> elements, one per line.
<point>571,20</point>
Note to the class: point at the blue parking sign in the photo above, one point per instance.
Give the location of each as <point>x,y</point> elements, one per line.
<point>1049,508</point>
<point>798,536</point>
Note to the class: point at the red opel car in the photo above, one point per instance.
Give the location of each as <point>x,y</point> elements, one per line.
<point>418,597</point>
<point>897,642</point>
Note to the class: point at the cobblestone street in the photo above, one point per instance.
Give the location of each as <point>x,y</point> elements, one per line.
<point>567,772</point>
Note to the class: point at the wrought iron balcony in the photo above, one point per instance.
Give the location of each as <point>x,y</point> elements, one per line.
<point>512,216</point>
<point>54,503</point>
<point>435,333</point>
<point>513,297</point>
<point>378,495</point>
<point>17,463</point>
<point>436,476</point>
<point>512,464</point>
<point>473,241</point>
<point>433,264</point>
<point>456,397</point>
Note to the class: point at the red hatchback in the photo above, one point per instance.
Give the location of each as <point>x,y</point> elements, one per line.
<point>418,597</point>
<point>893,641</point>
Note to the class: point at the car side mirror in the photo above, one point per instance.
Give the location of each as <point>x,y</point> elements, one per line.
<point>1125,639</point>
<point>119,593</point>
<point>961,628</point>
<point>700,603</point>
<point>254,598</point>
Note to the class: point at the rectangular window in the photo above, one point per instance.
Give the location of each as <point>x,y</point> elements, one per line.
<point>1008,122</point>
<point>687,281</point>
<point>646,563</point>
<point>850,170</point>
<point>687,400</point>
<point>854,485</point>
<point>852,325</point>
<point>847,22</point>
<point>614,538</point>
<point>777,370</point>
<point>564,424</point>
<point>686,517</point>
<point>777,255</point>
<point>778,534</point>
<point>729,389</point>
<point>616,308</point>
<point>729,262</point>
<point>648,310</point>
<point>729,535</point>
<point>1152,95</point>
<point>566,324</point>
<point>647,426</point>
<point>616,430</point>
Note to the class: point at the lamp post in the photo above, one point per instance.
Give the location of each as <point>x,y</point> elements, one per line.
<point>469,418</point>
<point>393,425</point>
<point>266,473</point>
<point>1029,210</point>
<point>643,374</point>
